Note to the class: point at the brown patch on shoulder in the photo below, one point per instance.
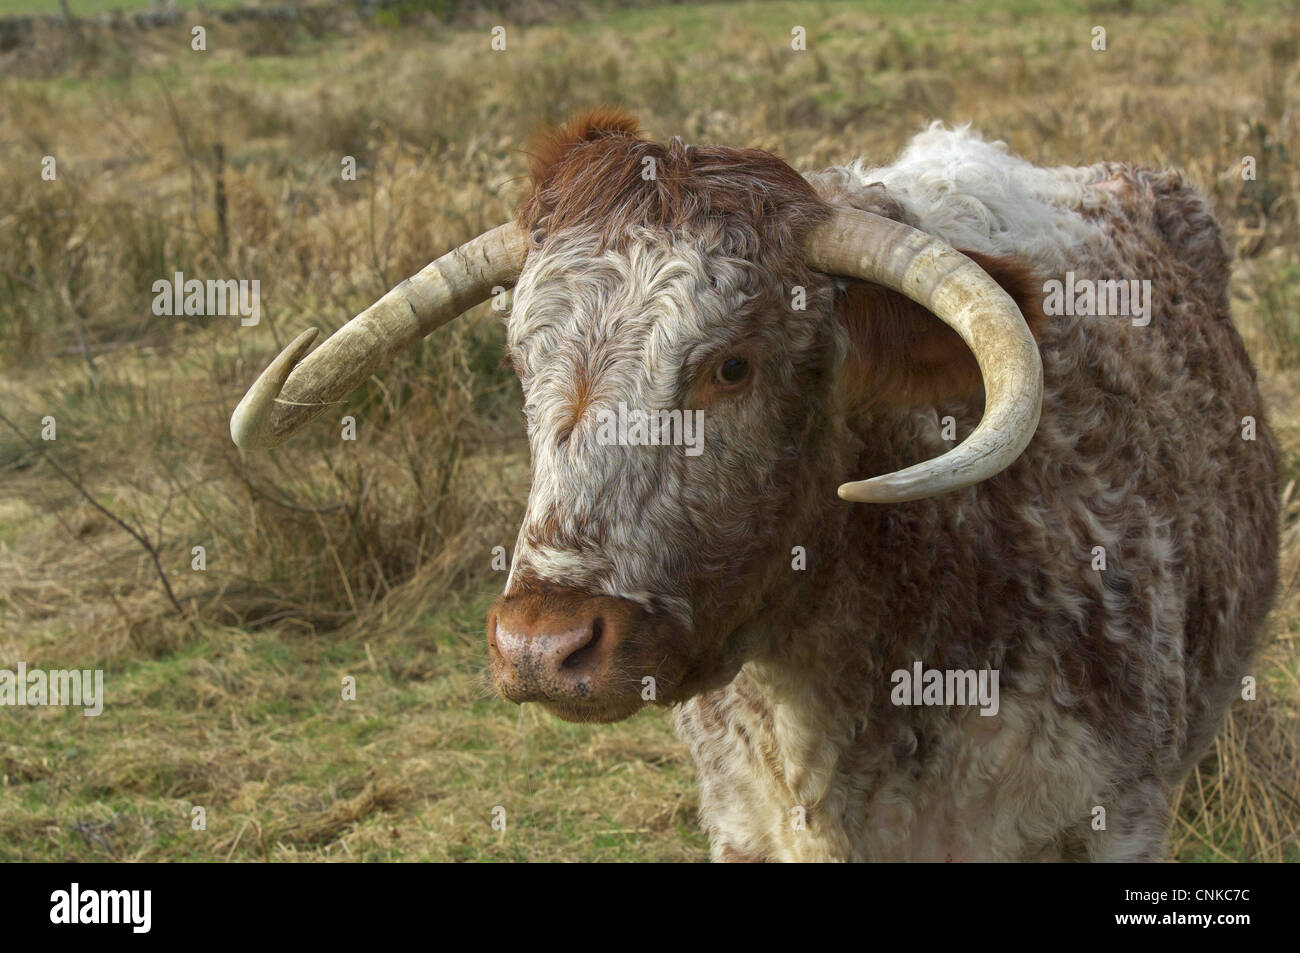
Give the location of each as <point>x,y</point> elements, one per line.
<point>908,357</point>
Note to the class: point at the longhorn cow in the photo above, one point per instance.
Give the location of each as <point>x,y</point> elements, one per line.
<point>1076,519</point>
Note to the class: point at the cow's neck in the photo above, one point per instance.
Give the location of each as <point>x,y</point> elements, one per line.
<point>835,635</point>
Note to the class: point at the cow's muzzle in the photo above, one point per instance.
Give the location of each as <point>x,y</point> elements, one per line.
<point>584,657</point>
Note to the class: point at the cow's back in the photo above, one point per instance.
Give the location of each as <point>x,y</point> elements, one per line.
<point>1153,454</point>
<point>1179,418</point>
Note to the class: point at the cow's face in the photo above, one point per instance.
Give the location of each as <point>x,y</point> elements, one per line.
<point>637,561</point>
<point>687,383</point>
<point>638,565</point>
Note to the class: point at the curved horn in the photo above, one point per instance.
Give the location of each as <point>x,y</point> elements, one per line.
<point>859,244</point>
<point>288,395</point>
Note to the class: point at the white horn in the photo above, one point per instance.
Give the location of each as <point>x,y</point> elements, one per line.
<point>288,395</point>
<point>858,244</point>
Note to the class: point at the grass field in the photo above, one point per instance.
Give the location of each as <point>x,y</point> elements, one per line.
<point>89,8</point>
<point>373,558</point>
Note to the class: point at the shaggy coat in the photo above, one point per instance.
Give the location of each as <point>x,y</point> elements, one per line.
<point>1116,576</point>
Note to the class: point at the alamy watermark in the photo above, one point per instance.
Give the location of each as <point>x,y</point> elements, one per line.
<point>655,428</point>
<point>79,688</point>
<point>211,298</point>
<point>947,687</point>
<point>1088,297</point>
<point>130,907</point>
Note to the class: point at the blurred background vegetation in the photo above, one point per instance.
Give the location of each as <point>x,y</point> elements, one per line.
<point>373,558</point>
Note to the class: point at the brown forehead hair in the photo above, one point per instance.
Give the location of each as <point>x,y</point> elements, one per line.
<point>590,174</point>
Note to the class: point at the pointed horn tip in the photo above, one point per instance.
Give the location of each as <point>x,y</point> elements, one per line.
<point>863,491</point>
<point>863,245</point>
<point>298,346</point>
<point>249,420</point>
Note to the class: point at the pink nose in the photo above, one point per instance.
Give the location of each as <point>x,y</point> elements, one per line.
<point>539,662</point>
<point>556,644</point>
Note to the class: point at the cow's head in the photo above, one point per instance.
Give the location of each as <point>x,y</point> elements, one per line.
<point>695,330</point>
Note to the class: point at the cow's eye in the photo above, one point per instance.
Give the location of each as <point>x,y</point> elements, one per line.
<point>733,370</point>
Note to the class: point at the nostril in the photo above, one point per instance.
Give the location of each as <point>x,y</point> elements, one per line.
<point>581,658</point>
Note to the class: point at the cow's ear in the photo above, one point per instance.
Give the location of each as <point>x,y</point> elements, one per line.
<point>549,146</point>
<point>904,356</point>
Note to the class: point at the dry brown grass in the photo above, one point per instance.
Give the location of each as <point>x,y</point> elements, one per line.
<point>374,556</point>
